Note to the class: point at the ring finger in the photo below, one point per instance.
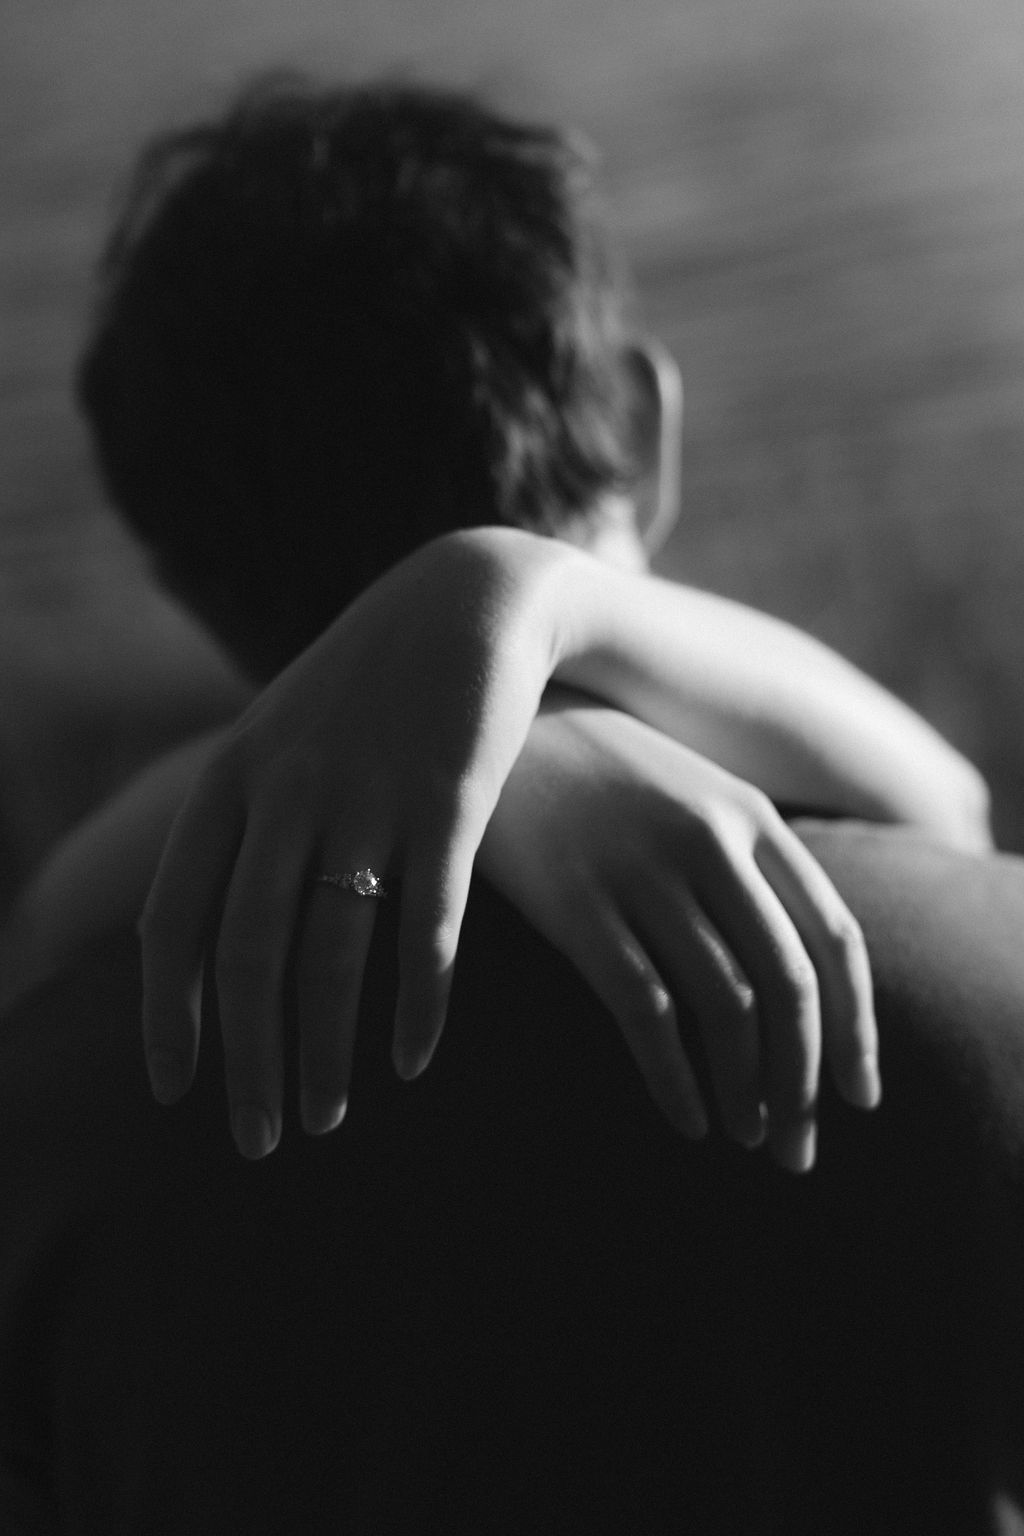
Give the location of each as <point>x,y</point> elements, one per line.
<point>340,913</point>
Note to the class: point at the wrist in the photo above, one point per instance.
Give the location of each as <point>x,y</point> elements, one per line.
<point>610,641</point>
<point>585,597</point>
<point>535,586</point>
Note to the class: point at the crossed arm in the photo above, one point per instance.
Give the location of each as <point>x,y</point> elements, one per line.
<point>409,735</point>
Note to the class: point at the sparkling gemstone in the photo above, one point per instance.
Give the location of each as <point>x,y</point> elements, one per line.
<point>364,881</point>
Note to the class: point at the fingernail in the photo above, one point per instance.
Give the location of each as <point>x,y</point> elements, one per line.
<point>409,1063</point>
<point>321,1112</point>
<point>751,1132</point>
<point>254,1131</point>
<point>796,1149</point>
<point>866,1083</point>
<point>166,1075</point>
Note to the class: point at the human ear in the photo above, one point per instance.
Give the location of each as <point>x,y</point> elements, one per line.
<point>656,387</point>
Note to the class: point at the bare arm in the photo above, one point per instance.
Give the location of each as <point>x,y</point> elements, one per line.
<point>666,880</point>
<point>765,701</point>
<point>749,692</point>
<point>389,742</point>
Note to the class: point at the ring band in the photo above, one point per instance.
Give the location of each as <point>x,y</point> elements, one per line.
<point>363,882</point>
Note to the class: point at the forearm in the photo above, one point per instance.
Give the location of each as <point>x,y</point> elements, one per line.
<point>763,700</point>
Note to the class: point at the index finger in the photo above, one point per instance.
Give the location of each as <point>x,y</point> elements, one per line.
<point>176,924</point>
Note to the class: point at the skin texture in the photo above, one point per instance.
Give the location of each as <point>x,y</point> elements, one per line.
<point>280,324</point>
<point>428,747</point>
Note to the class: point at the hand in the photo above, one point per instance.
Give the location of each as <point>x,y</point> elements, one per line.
<point>385,745</point>
<point>681,895</point>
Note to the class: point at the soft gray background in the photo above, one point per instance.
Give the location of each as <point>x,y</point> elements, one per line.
<point>823,201</point>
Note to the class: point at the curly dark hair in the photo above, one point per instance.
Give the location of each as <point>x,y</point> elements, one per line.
<point>336,323</point>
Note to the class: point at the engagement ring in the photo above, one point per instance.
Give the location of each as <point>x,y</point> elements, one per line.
<point>362,881</point>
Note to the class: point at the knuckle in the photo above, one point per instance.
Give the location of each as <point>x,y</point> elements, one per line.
<point>752,814</point>
<point>709,836</point>
<point>755,804</point>
<point>846,938</point>
<point>798,981</point>
<point>643,1005</point>
<point>740,1004</point>
<point>725,833</point>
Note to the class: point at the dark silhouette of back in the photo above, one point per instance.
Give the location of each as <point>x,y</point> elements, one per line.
<point>505,1297</point>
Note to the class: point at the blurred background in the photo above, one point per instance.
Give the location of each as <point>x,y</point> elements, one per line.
<point>823,205</point>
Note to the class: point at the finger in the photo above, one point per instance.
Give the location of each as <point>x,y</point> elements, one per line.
<point>707,979</point>
<point>261,913</point>
<point>177,924</point>
<point>435,888</point>
<point>769,948</point>
<point>835,943</point>
<point>605,949</point>
<point>337,931</point>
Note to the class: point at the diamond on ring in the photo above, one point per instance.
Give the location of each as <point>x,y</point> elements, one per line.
<point>362,881</point>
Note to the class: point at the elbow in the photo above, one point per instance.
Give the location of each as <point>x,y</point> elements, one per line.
<point>976,812</point>
<point>965,816</point>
